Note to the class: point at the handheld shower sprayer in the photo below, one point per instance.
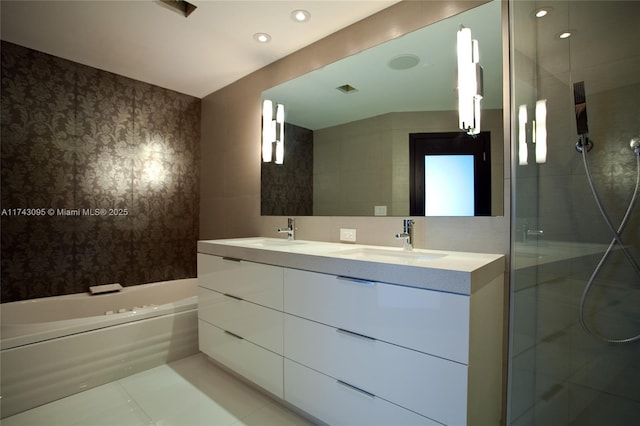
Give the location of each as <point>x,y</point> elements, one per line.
<point>580,103</point>
<point>635,145</point>
<point>583,146</point>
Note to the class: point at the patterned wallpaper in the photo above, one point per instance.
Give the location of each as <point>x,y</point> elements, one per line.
<point>100,178</point>
<point>287,189</point>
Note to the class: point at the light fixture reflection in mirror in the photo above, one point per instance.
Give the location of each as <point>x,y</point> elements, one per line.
<point>522,136</point>
<point>541,131</point>
<point>280,136</point>
<point>272,132</point>
<point>538,133</point>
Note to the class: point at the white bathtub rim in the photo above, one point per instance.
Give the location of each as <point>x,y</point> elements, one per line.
<point>15,335</point>
<point>156,293</point>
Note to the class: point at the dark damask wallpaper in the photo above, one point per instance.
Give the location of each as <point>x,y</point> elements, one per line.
<point>100,178</point>
<point>287,189</point>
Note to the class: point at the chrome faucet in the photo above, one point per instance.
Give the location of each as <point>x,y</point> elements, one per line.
<point>290,230</point>
<point>407,235</point>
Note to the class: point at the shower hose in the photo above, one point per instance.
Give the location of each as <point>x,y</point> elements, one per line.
<point>615,240</point>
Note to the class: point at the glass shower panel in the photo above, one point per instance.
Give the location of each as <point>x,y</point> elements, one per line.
<point>559,373</point>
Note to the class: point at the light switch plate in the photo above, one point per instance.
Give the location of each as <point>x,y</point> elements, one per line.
<point>380,210</point>
<point>347,234</point>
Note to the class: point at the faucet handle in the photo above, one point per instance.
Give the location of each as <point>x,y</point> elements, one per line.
<point>408,223</point>
<point>407,234</point>
<point>290,230</point>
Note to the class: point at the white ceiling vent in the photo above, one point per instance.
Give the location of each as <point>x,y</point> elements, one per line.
<point>347,88</point>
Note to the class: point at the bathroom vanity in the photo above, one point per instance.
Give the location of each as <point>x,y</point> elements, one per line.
<point>355,334</point>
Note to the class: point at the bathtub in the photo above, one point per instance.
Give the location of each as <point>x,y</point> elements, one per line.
<point>57,346</point>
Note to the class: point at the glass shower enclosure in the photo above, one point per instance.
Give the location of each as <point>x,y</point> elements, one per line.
<point>563,367</point>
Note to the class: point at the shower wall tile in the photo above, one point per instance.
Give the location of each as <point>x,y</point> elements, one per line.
<point>593,408</point>
<point>552,400</point>
<point>74,137</point>
<point>574,372</point>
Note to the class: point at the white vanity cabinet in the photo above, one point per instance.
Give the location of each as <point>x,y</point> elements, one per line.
<point>407,346</point>
<point>339,404</point>
<point>429,321</point>
<point>349,350</point>
<point>253,282</point>
<point>240,318</point>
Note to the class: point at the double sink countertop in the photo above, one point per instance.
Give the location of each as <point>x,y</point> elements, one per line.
<point>448,271</point>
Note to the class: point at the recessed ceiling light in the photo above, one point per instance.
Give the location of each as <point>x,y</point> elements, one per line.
<point>300,15</point>
<point>262,37</point>
<point>541,12</point>
<point>565,34</point>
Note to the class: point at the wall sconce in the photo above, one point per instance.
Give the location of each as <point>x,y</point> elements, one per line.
<point>470,90</point>
<point>272,131</point>
<point>538,133</point>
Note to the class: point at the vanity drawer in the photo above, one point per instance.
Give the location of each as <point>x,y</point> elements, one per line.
<point>433,322</point>
<point>260,325</point>
<point>255,282</point>
<point>336,403</point>
<point>256,364</point>
<point>428,385</point>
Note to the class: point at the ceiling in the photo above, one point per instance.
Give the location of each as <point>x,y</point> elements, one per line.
<point>197,55</point>
<point>313,100</point>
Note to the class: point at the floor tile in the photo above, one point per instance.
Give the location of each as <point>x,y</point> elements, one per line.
<point>221,386</point>
<point>273,415</point>
<point>189,392</point>
<point>104,405</point>
<point>169,399</point>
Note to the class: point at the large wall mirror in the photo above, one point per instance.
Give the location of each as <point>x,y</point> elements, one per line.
<point>348,124</point>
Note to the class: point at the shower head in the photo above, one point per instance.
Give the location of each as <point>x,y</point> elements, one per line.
<point>580,102</point>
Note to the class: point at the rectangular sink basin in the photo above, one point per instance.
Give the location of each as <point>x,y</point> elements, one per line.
<point>389,255</point>
<point>271,242</point>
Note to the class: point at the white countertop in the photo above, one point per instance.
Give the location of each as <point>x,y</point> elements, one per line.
<point>449,271</point>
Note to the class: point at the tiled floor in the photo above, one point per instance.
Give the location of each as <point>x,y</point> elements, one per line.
<point>188,392</point>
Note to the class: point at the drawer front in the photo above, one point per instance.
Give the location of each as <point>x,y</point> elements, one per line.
<point>428,321</point>
<point>428,385</point>
<point>260,325</point>
<point>337,403</point>
<point>256,364</point>
<point>255,282</point>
